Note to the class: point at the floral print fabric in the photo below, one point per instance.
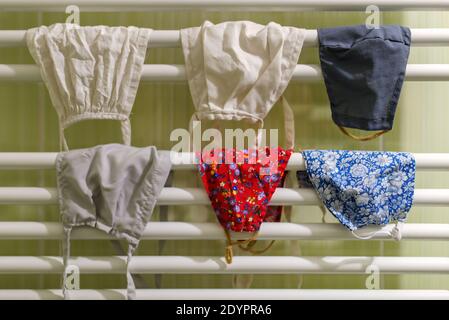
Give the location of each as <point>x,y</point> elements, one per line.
<point>240,192</point>
<point>362,187</point>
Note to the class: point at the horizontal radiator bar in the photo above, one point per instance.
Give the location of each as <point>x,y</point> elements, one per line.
<point>220,5</point>
<point>46,160</point>
<point>176,73</point>
<point>213,231</point>
<point>172,39</point>
<point>217,265</point>
<point>197,196</point>
<point>228,294</point>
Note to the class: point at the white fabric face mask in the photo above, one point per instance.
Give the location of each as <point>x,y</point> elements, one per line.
<point>90,72</point>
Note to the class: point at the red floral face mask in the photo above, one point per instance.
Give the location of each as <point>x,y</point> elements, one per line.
<point>240,191</point>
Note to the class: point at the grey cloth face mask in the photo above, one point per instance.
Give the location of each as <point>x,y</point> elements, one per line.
<point>113,188</point>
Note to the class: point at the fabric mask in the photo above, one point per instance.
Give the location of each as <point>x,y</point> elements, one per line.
<point>240,193</point>
<point>363,188</point>
<point>90,72</point>
<point>112,188</point>
<point>363,70</point>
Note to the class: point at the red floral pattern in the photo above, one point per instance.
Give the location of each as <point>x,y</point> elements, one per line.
<point>240,192</point>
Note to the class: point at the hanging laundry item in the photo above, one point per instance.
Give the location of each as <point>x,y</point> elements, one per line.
<point>112,188</point>
<point>238,71</point>
<point>240,194</point>
<point>90,72</point>
<point>363,70</point>
<point>363,188</point>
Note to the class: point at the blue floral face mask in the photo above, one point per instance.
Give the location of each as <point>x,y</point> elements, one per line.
<point>362,188</point>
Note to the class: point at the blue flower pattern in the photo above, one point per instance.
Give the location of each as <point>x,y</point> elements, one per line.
<point>363,187</point>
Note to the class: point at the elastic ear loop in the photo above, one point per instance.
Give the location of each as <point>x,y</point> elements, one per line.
<point>65,259</point>
<point>395,233</point>
<point>289,123</point>
<point>250,245</point>
<point>323,214</point>
<point>62,140</point>
<point>362,138</point>
<point>130,286</point>
<point>229,246</point>
<point>67,230</point>
<point>125,127</point>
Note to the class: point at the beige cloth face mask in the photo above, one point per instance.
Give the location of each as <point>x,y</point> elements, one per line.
<point>90,72</point>
<point>238,70</point>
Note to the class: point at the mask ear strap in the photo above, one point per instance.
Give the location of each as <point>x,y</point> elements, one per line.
<point>65,259</point>
<point>193,118</point>
<point>228,251</point>
<point>364,237</point>
<point>125,127</point>
<point>395,233</point>
<point>62,140</point>
<point>130,286</point>
<point>260,137</point>
<point>250,245</point>
<point>362,138</point>
<point>137,278</point>
<point>323,213</point>
<point>289,123</point>
<point>229,244</point>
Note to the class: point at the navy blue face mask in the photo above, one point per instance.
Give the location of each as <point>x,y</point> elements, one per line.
<point>363,70</point>
<point>362,188</point>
